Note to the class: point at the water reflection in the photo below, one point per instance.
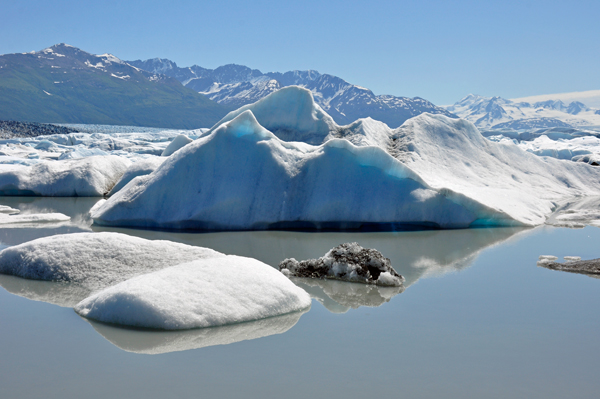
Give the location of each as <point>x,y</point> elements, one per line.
<point>341,296</point>
<point>77,208</point>
<point>155,342</point>
<point>56,293</point>
<point>415,255</point>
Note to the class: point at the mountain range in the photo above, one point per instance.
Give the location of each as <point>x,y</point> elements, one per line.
<point>497,113</point>
<point>237,85</point>
<point>63,84</point>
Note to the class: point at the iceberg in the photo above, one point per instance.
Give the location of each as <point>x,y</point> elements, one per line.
<point>85,177</point>
<point>202,293</point>
<point>432,172</point>
<point>347,262</point>
<point>242,177</point>
<point>95,260</point>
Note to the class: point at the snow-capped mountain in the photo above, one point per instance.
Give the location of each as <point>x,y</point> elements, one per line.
<point>497,112</point>
<point>237,85</point>
<point>64,84</point>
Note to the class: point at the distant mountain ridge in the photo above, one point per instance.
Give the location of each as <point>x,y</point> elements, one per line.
<point>237,85</point>
<point>63,84</point>
<point>497,112</point>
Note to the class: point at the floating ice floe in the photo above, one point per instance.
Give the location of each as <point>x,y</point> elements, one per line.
<point>7,210</point>
<point>202,293</point>
<point>32,218</point>
<point>95,260</point>
<point>85,177</point>
<point>432,171</point>
<point>348,262</point>
<point>573,264</point>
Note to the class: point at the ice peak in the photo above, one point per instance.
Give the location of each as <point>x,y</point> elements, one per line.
<point>246,124</point>
<point>291,114</point>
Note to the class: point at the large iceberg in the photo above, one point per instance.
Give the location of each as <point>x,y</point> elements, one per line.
<point>433,171</point>
<point>84,177</point>
<point>203,293</point>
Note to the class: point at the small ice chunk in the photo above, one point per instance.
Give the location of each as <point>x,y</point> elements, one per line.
<point>348,262</point>
<point>548,257</point>
<point>202,293</point>
<point>7,210</point>
<point>572,258</point>
<point>33,218</point>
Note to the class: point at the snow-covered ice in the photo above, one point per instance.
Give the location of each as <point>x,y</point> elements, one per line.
<point>7,210</point>
<point>576,213</point>
<point>32,218</point>
<point>290,114</point>
<point>243,177</point>
<point>348,262</point>
<point>85,177</point>
<point>202,293</point>
<point>95,260</point>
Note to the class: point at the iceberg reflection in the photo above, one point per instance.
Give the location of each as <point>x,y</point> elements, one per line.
<point>152,342</point>
<point>341,296</point>
<point>57,293</point>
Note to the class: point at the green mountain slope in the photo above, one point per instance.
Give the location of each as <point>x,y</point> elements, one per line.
<point>63,84</point>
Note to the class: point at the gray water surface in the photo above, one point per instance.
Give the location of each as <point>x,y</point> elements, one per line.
<point>477,319</point>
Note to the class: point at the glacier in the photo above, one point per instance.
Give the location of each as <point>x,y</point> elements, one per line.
<point>257,169</point>
<point>202,293</point>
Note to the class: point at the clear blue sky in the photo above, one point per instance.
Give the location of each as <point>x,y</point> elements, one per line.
<point>438,50</point>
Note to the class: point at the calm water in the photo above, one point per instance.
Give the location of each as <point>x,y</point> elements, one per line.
<point>477,319</point>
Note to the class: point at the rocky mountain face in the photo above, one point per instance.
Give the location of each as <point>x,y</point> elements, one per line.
<point>63,84</point>
<point>237,85</point>
<point>497,113</point>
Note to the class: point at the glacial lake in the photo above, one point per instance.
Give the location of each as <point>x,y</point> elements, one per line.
<point>477,319</point>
